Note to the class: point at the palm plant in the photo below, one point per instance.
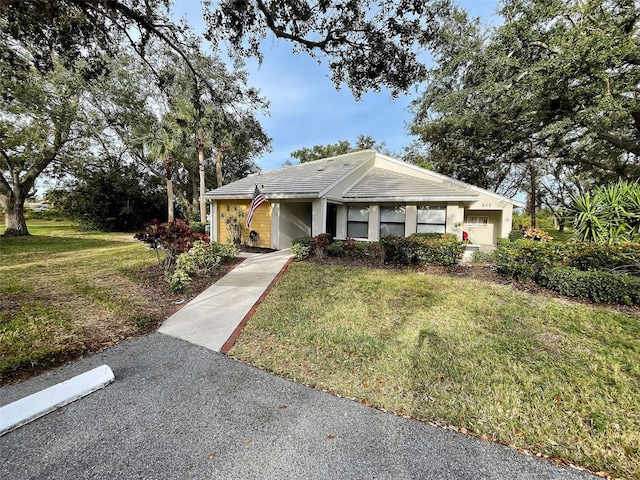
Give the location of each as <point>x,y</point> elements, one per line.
<point>611,214</point>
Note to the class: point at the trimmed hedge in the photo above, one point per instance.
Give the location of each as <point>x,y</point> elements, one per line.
<point>422,249</point>
<point>598,286</point>
<point>602,273</point>
<point>525,259</point>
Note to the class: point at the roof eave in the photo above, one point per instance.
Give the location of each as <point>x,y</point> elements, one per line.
<point>405,199</point>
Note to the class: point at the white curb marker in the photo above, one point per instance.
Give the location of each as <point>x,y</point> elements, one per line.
<point>35,406</point>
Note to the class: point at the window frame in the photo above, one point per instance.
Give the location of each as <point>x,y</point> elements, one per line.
<point>435,208</point>
<point>403,223</point>
<point>479,223</point>
<point>358,222</point>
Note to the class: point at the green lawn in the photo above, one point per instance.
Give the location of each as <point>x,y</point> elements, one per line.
<point>63,292</point>
<point>545,375</point>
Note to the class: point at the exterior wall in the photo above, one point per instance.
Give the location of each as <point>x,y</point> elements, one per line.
<point>455,216</point>
<point>318,216</point>
<point>294,221</point>
<point>261,222</point>
<point>487,234</point>
<point>341,222</point>
<point>411,220</point>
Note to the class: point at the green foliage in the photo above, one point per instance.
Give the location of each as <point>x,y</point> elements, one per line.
<point>178,280</point>
<point>525,259</point>
<point>173,238</point>
<point>197,227</point>
<point>611,214</point>
<point>318,152</point>
<point>437,249</point>
<point>600,272</point>
<point>368,45</point>
<point>422,249</point>
<point>516,235</point>
<point>538,101</point>
<point>598,286</point>
<point>200,258</point>
<point>300,250</point>
<point>336,249</point>
<point>621,258</point>
<point>305,241</point>
<point>114,197</point>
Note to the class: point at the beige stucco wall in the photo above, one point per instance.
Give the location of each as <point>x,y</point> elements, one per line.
<point>484,235</point>
<point>294,221</point>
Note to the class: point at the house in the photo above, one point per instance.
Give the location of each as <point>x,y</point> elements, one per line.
<point>362,195</point>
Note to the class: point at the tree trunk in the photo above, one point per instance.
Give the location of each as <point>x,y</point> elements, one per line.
<point>170,209</point>
<point>168,164</point>
<point>16,225</point>
<point>203,204</point>
<point>533,193</point>
<point>219,167</point>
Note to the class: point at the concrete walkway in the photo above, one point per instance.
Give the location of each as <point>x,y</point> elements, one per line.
<point>210,319</point>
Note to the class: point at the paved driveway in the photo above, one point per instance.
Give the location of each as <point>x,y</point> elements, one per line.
<point>177,410</point>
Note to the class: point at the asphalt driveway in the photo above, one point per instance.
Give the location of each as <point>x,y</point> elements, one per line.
<point>177,410</point>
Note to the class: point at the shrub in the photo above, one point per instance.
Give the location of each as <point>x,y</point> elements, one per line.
<point>360,250</point>
<point>436,249</point>
<point>197,227</point>
<point>349,245</point>
<point>623,258</point>
<point>396,249</point>
<point>305,241</point>
<point>516,235</point>
<point>320,244</point>
<point>422,248</point>
<point>610,214</point>
<point>336,249</point>
<point>201,258</point>
<point>300,250</point>
<point>524,259</point>
<point>173,238</point>
<point>598,286</point>
<point>483,257</point>
<point>178,280</point>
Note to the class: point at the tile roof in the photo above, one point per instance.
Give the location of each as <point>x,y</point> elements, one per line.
<point>382,183</point>
<point>304,179</point>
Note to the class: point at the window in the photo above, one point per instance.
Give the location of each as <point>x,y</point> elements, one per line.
<point>358,222</point>
<point>432,219</point>
<point>392,220</point>
<point>478,221</point>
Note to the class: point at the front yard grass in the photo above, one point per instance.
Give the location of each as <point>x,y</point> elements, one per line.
<point>64,292</point>
<point>540,374</point>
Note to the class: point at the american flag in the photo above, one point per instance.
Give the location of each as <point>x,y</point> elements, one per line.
<point>257,200</point>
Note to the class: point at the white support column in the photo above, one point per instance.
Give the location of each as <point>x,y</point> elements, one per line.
<point>213,221</point>
<point>318,216</point>
<point>341,222</point>
<point>275,225</point>
<point>374,223</point>
<point>410,220</point>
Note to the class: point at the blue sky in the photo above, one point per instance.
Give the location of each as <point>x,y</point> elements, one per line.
<point>305,107</point>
